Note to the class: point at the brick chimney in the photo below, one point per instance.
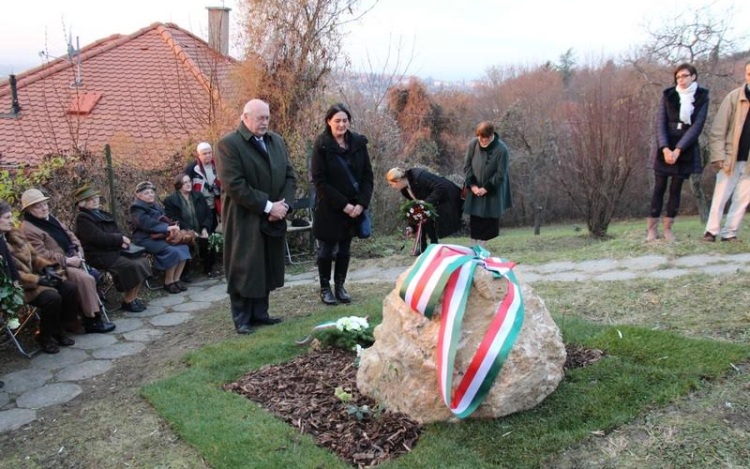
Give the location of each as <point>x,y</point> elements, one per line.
<point>218,29</point>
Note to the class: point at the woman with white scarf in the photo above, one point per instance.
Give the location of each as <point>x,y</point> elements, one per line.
<point>679,123</point>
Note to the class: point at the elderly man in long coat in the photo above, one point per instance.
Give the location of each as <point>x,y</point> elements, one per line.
<point>259,184</point>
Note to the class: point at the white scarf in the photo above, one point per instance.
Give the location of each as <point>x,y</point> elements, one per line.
<point>687,98</point>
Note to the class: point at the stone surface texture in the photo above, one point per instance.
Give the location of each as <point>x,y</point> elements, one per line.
<point>48,395</point>
<point>399,370</point>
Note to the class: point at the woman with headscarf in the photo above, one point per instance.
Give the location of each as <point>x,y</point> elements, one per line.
<point>343,179</point>
<point>679,123</point>
<point>486,169</point>
<point>43,288</point>
<point>103,243</point>
<point>55,242</point>
<point>148,219</point>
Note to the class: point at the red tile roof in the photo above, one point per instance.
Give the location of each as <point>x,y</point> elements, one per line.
<point>146,94</point>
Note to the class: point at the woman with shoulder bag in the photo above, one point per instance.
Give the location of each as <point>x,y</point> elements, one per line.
<point>343,179</point>
<point>104,243</point>
<point>148,219</point>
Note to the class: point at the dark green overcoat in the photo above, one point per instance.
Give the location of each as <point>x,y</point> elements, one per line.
<point>488,169</point>
<point>253,261</point>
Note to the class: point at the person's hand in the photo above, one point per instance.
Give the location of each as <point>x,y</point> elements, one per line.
<point>74,261</point>
<point>717,165</point>
<point>173,228</point>
<point>348,209</point>
<point>358,209</point>
<point>409,232</point>
<point>475,190</point>
<point>676,154</point>
<point>482,192</point>
<point>204,233</point>
<point>278,211</point>
<point>125,240</point>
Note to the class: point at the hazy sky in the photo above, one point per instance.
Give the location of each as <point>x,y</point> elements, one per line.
<point>450,40</point>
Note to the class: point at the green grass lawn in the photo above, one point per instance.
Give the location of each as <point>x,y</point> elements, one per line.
<point>644,369</point>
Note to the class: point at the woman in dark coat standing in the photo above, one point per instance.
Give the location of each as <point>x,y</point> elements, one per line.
<point>190,208</point>
<point>445,196</point>
<point>679,123</point>
<point>103,242</point>
<point>340,205</point>
<point>486,169</point>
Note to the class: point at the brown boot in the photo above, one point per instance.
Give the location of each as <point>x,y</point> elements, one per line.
<point>653,231</point>
<point>668,235</point>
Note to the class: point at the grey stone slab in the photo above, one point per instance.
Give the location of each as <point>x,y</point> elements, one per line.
<point>209,296</point>
<point>21,381</point>
<point>15,418</point>
<point>165,301</point>
<point>667,274</point>
<point>127,325</point>
<point>724,269</point>
<point>614,276</point>
<point>530,277</point>
<point>150,311</point>
<point>120,350</point>
<point>553,267</point>
<point>220,288</point>
<point>4,399</point>
<point>94,341</point>
<point>84,370</point>
<point>170,319</point>
<point>569,276</point>
<point>67,356</point>
<point>698,260</point>
<point>194,291</point>
<point>206,283</point>
<point>644,262</point>
<point>49,395</point>
<point>189,306</point>
<point>598,266</point>
<point>744,257</point>
<point>143,335</point>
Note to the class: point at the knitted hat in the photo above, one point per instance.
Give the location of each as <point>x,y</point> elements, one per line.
<point>32,197</point>
<point>144,185</point>
<point>84,193</point>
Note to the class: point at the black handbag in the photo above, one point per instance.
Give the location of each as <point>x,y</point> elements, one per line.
<point>133,251</point>
<point>364,230</point>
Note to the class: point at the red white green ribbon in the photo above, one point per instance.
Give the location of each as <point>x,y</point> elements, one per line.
<point>447,271</point>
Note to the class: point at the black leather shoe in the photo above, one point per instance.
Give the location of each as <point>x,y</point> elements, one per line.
<point>342,295</point>
<point>172,288</point>
<point>731,239</point>
<point>708,237</point>
<point>326,296</point>
<point>134,306</point>
<point>63,340</point>
<point>47,344</point>
<point>245,329</point>
<point>181,285</point>
<point>269,321</point>
<point>97,326</point>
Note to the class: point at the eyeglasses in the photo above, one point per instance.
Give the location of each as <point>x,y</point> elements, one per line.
<point>683,75</point>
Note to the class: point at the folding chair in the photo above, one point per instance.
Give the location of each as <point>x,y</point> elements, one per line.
<point>26,314</point>
<point>306,206</point>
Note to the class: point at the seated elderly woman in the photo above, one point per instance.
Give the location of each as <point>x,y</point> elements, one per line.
<point>103,243</point>
<point>54,298</point>
<point>51,240</point>
<point>150,230</point>
<point>190,208</point>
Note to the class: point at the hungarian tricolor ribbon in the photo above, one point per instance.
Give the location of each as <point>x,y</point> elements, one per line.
<point>447,271</point>
<point>417,248</point>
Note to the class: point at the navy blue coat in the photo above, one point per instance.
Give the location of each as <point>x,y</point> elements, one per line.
<point>686,138</point>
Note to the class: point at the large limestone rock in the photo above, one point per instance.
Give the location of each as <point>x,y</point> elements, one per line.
<point>399,370</point>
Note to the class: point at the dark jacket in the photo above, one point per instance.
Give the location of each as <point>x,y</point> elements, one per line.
<point>147,219</point>
<point>250,177</point>
<point>488,168</point>
<point>686,138</point>
<point>334,188</point>
<point>440,192</point>
<point>101,238</point>
<point>197,174</point>
<point>173,209</point>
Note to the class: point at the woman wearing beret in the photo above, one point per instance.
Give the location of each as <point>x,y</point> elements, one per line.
<point>148,219</point>
<point>103,242</point>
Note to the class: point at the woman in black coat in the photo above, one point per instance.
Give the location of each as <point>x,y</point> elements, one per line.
<point>339,205</point>
<point>190,208</point>
<point>445,196</point>
<point>103,243</point>
<point>679,123</point>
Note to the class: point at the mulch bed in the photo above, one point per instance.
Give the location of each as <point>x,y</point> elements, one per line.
<point>301,392</point>
<point>578,356</point>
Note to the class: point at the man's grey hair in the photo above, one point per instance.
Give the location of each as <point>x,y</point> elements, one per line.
<point>249,105</point>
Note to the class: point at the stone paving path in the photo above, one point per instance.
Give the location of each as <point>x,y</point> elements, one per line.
<point>51,379</point>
